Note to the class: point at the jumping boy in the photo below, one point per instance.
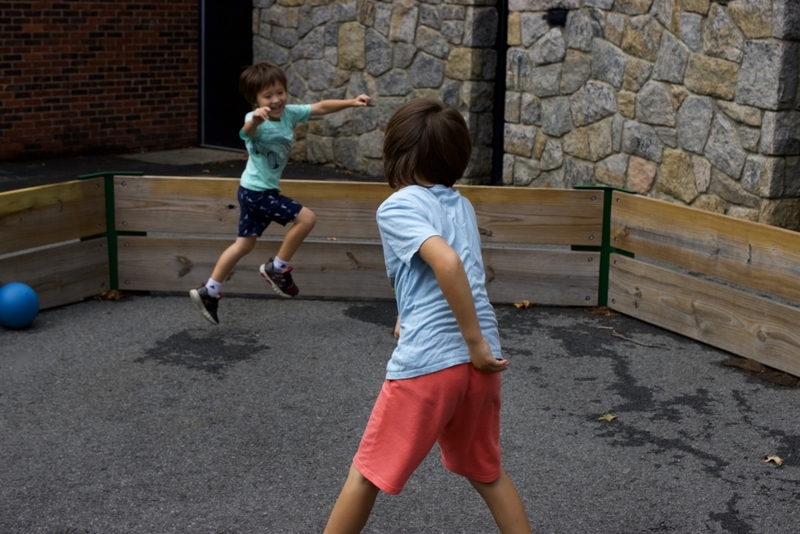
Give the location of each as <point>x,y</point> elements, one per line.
<point>268,133</point>
<point>442,383</point>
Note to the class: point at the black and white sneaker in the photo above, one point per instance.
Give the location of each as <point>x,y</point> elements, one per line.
<point>282,283</point>
<point>205,303</point>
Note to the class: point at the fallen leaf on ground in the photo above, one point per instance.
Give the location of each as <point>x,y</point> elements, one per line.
<point>523,304</point>
<point>113,294</point>
<point>777,460</point>
<point>607,417</point>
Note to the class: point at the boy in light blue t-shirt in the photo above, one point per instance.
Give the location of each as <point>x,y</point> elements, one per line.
<point>443,379</point>
<point>268,133</point>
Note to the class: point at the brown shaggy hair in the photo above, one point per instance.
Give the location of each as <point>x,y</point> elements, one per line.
<point>426,142</point>
<point>256,77</point>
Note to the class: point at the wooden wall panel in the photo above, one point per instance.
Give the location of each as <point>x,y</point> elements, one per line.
<point>733,320</point>
<point>49,214</point>
<point>550,277</point>
<point>749,254</point>
<point>537,216</point>
<point>61,274</point>
<point>321,269</point>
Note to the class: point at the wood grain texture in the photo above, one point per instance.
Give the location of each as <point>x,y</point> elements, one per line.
<point>63,273</point>
<point>752,255</point>
<point>346,210</point>
<point>50,214</point>
<point>550,277</point>
<point>730,319</point>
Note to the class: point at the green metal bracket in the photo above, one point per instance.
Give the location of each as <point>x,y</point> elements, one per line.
<point>605,247</point>
<point>111,223</point>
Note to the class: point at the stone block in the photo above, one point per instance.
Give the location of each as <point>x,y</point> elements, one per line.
<point>711,76</point>
<point>551,48</point>
<point>641,140</point>
<point>702,173</point>
<point>673,56</point>
<point>654,105</point>
<point>723,149</point>
<point>784,213</point>
<point>780,133</point>
<point>641,37</point>
<point>786,19</point>
<point>754,17</point>
<point>722,37</point>
<point>577,70</point>
<point>641,174</point>
<point>633,7</point>
<point>731,190</point>
<point>676,176</point>
<point>691,27</point>
<point>637,73</point>
<point>594,101</point>
<point>768,77</point>
<point>545,81</point>
<point>555,116</point>
<point>608,62</point>
<point>764,176</point>
<point>694,123</point>
<point>591,142</point>
<point>710,203</point>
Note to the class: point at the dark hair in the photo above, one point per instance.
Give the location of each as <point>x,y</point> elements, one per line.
<point>256,77</point>
<point>426,142</point>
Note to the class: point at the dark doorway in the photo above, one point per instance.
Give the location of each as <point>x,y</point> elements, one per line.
<point>226,47</point>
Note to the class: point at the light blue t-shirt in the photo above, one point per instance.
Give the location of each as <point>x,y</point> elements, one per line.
<point>270,148</point>
<point>430,339</point>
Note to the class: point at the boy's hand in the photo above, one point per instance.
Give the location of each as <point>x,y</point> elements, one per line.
<point>361,101</point>
<point>260,115</point>
<point>397,328</point>
<point>483,360</point>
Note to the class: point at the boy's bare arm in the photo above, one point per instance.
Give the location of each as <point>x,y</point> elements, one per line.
<point>452,279</point>
<point>325,107</point>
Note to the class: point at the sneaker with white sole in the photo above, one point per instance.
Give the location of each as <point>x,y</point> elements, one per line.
<point>205,303</point>
<point>282,283</point>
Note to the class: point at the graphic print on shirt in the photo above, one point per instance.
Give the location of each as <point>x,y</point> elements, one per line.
<point>272,145</point>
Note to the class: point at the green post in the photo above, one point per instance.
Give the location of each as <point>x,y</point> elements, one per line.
<point>605,247</point>
<point>111,223</point>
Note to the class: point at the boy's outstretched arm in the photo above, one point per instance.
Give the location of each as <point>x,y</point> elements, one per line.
<point>324,107</point>
<point>452,278</point>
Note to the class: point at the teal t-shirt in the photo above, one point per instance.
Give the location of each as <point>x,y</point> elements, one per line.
<point>270,148</point>
<point>430,339</point>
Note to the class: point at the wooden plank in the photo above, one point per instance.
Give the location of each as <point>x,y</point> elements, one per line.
<point>346,210</point>
<point>551,277</point>
<point>209,205</point>
<point>752,255</point>
<point>38,216</point>
<point>351,270</point>
<point>741,323</point>
<point>61,274</point>
<point>537,215</point>
<point>321,269</point>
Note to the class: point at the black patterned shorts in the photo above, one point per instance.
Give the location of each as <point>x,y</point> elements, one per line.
<point>259,208</point>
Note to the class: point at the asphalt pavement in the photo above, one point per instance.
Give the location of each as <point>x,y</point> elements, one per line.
<point>137,416</point>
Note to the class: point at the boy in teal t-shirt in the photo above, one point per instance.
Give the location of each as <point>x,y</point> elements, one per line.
<point>268,133</point>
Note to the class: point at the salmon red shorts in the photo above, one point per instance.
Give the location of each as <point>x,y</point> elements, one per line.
<point>459,407</point>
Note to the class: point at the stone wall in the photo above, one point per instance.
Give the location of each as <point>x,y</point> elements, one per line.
<point>393,50</point>
<point>694,101</point>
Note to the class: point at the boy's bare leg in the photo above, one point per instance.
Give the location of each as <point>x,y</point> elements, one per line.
<point>505,504</point>
<point>301,227</point>
<point>352,508</point>
<point>228,259</point>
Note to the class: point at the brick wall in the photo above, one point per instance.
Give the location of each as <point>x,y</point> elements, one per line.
<point>92,77</point>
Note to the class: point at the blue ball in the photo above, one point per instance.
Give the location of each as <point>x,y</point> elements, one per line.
<point>19,305</point>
